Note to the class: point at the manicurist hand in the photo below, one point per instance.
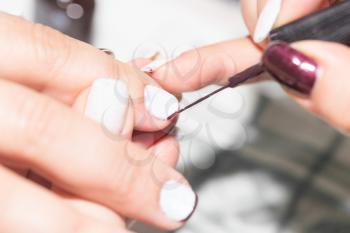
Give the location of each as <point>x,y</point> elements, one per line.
<point>67,114</point>
<point>321,74</point>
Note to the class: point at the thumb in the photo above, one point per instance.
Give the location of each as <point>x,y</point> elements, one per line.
<point>318,69</point>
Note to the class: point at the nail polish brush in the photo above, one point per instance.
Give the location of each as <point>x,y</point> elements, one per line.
<point>330,24</point>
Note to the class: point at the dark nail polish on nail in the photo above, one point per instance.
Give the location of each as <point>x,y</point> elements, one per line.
<point>291,67</point>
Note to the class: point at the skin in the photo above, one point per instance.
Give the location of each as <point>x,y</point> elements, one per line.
<point>53,139</point>
<point>216,63</point>
<point>96,178</point>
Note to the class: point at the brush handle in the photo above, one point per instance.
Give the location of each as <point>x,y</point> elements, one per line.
<point>331,24</point>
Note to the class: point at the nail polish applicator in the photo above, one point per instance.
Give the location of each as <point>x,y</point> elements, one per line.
<point>330,24</point>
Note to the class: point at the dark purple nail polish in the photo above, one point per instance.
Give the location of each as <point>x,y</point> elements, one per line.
<point>291,67</point>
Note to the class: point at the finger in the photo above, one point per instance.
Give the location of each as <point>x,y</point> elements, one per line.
<point>80,157</point>
<point>207,65</point>
<point>163,146</point>
<point>38,179</point>
<point>19,204</point>
<point>95,211</point>
<point>108,103</point>
<point>320,70</point>
<point>20,169</point>
<point>63,67</point>
<point>147,140</point>
<point>167,150</point>
<point>91,209</point>
<point>250,13</point>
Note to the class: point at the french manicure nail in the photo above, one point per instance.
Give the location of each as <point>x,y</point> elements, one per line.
<point>151,67</point>
<point>107,103</point>
<point>291,67</point>
<point>177,201</point>
<point>159,102</point>
<point>267,19</point>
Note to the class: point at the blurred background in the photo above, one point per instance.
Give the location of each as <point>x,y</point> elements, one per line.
<point>258,161</point>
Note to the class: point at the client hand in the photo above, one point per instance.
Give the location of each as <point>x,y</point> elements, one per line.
<point>98,175</point>
<point>324,63</point>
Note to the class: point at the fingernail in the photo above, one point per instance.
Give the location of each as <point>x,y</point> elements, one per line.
<point>107,103</point>
<point>153,66</point>
<point>267,19</point>
<point>291,67</point>
<point>177,201</point>
<point>159,102</point>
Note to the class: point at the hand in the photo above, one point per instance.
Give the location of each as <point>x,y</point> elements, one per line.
<point>326,84</point>
<point>45,83</point>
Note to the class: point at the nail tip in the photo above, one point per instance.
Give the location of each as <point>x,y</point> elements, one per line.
<point>160,103</point>
<point>178,201</point>
<point>193,211</point>
<point>258,38</point>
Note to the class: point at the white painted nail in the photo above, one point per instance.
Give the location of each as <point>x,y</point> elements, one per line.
<point>177,201</point>
<point>160,103</point>
<point>151,67</point>
<point>267,19</point>
<point>108,103</point>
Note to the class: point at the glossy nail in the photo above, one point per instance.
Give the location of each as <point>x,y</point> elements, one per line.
<point>159,102</point>
<point>267,19</point>
<point>291,67</point>
<point>108,103</point>
<point>177,201</point>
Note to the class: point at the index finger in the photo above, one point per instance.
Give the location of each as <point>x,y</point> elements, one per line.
<point>213,64</point>
<point>216,63</point>
<point>63,68</point>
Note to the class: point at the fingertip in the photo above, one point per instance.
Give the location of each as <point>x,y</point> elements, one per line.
<point>160,103</point>
<point>178,201</point>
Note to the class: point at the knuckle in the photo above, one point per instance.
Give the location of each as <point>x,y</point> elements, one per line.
<point>122,178</point>
<point>122,184</point>
<point>51,48</point>
<point>36,118</point>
